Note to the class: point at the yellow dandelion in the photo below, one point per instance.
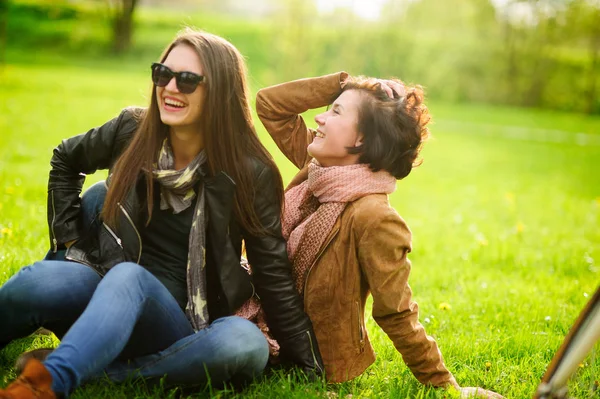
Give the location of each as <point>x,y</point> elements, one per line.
<point>444,306</point>
<point>598,201</point>
<point>481,240</point>
<point>581,365</point>
<point>488,365</point>
<point>9,190</point>
<point>6,232</point>
<point>510,198</point>
<point>519,227</point>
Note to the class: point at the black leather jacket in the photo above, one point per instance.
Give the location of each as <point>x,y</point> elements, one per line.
<point>229,285</point>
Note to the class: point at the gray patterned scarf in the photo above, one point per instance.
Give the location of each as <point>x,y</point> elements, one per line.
<point>177,192</point>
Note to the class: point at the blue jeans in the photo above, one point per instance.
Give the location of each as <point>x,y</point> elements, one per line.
<point>125,325</point>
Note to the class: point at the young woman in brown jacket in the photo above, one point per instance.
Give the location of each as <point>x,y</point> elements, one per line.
<point>344,239</point>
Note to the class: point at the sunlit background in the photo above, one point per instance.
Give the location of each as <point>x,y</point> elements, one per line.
<point>505,210</point>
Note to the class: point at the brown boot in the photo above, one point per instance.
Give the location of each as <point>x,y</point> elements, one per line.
<point>34,383</point>
<point>40,354</point>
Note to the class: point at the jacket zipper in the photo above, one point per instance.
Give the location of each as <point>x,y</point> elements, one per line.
<point>316,259</point>
<point>135,229</point>
<point>54,241</point>
<point>312,350</point>
<point>113,234</point>
<point>361,336</point>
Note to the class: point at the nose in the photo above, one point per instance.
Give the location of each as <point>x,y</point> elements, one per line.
<point>172,85</point>
<point>320,119</point>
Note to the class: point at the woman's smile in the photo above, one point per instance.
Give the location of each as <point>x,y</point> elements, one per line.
<point>172,104</point>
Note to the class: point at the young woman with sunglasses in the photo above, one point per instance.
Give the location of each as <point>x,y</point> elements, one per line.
<point>344,239</point>
<point>160,272</point>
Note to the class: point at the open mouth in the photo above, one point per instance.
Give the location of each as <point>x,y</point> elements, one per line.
<point>320,135</point>
<point>172,103</point>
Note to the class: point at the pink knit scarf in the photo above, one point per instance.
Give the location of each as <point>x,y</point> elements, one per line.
<point>312,208</point>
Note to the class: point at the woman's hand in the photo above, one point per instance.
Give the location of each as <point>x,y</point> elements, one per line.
<point>391,87</point>
<point>478,393</point>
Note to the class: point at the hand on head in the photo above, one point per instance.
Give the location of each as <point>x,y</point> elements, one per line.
<point>391,87</point>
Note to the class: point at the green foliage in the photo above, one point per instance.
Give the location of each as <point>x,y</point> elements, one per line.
<point>504,211</point>
<point>460,50</point>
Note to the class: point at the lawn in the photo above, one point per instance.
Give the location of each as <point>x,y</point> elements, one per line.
<point>505,219</point>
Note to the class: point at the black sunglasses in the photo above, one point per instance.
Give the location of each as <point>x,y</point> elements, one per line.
<point>186,81</point>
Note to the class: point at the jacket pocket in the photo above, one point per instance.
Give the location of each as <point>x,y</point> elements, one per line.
<point>358,327</point>
<point>101,248</point>
<point>110,248</point>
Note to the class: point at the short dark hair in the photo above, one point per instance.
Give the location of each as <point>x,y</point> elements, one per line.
<point>393,129</point>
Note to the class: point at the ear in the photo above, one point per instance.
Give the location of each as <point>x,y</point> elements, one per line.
<point>359,140</point>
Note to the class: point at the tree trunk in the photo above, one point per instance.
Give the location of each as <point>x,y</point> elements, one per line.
<point>3,29</point>
<point>591,92</point>
<point>512,81</point>
<point>123,26</point>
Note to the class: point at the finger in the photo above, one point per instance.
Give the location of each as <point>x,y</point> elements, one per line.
<point>397,87</point>
<point>388,90</point>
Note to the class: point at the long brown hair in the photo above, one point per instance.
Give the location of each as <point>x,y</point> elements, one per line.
<point>230,138</point>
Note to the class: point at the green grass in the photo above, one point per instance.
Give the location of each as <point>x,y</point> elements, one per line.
<point>505,232</point>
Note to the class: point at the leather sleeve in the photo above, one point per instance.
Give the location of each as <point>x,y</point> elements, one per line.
<point>272,277</point>
<point>383,250</point>
<point>279,108</point>
<point>74,158</point>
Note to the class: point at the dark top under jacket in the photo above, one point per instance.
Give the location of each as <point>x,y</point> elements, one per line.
<point>165,246</point>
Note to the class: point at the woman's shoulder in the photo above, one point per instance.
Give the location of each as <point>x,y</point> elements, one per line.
<point>371,211</point>
<point>373,205</point>
<point>260,169</point>
<point>128,121</point>
<point>132,114</point>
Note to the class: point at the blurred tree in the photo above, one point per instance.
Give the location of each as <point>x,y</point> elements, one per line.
<point>532,35</point>
<point>121,17</point>
<point>3,29</point>
<point>293,38</point>
<point>582,22</point>
<point>546,46</point>
<point>453,49</point>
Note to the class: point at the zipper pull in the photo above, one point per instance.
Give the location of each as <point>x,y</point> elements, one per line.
<point>55,245</point>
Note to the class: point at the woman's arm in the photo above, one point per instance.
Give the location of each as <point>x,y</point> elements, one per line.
<point>272,277</point>
<point>71,161</point>
<point>382,251</point>
<point>279,108</point>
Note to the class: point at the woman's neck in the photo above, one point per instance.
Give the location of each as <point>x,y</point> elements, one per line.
<point>186,145</point>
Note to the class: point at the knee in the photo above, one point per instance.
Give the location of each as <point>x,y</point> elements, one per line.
<point>246,341</point>
<point>94,196</point>
<point>21,286</point>
<point>92,202</point>
<point>22,291</point>
<point>126,274</point>
<point>13,292</point>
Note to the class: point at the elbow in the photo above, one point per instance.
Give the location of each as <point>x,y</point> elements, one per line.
<point>262,104</point>
<point>59,157</point>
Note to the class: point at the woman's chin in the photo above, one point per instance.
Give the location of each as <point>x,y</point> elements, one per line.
<point>170,120</point>
<point>312,151</point>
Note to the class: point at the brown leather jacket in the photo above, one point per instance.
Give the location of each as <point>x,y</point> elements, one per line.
<point>366,252</point>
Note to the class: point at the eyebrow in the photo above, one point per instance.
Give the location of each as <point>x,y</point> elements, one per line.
<point>338,105</point>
